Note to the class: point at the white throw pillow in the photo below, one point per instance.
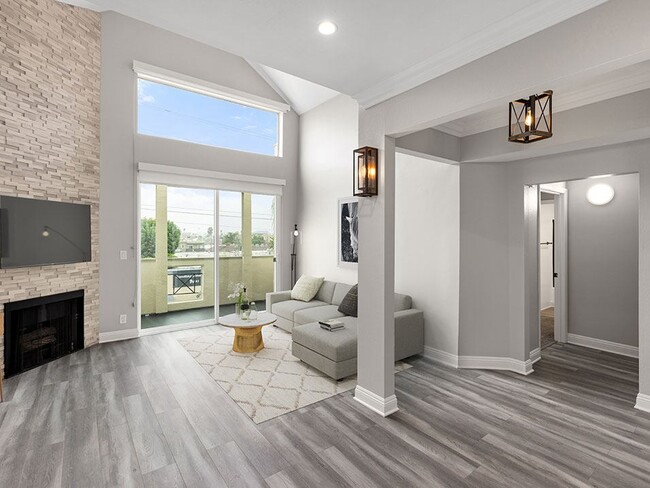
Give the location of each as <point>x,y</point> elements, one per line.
<point>306,288</point>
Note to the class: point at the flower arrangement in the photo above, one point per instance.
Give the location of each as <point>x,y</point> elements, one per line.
<point>239,295</point>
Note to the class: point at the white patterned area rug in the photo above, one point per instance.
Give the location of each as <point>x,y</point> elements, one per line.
<point>267,383</point>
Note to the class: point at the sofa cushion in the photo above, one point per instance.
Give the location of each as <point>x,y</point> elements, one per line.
<point>316,314</point>
<point>402,302</point>
<point>338,346</point>
<point>306,288</point>
<point>287,308</point>
<point>350,303</point>
<point>326,291</point>
<point>340,290</point>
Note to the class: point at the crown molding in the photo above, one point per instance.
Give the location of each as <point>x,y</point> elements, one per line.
<point>509,30</point>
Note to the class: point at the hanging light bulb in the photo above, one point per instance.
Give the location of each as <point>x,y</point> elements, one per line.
<point>529,118</point>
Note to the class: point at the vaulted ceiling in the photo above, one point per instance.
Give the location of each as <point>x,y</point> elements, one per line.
<point>381,48</point>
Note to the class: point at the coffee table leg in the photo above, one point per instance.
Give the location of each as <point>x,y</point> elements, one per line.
<point>248,340</point>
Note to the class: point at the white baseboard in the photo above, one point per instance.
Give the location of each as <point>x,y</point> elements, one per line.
<point>643,402</point>
<point>607,346</point>
<point>382,406</point>
<point>482,362</point>
<point>535,355</point>
<point>118,335</point>
<point>442,357</point>
<point>489,362</point>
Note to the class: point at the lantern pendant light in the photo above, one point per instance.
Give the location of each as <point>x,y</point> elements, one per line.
<point>531,119</point>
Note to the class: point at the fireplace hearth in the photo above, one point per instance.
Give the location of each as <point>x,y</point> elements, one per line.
<point>40,330</point>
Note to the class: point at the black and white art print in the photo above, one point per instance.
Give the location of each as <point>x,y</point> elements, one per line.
<point>348,231</point>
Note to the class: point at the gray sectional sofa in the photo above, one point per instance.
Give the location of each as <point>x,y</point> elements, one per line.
<point>335,353</point>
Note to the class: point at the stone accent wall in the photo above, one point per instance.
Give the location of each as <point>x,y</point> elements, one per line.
<point>49,133</point>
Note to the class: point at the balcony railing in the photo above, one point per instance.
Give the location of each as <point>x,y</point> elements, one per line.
<point>189,283</point>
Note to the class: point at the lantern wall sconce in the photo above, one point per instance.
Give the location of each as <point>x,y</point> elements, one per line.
<point>365,174</point>
<point>531,119</point>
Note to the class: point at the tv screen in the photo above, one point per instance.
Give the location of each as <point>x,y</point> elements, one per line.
<point>39,232</point>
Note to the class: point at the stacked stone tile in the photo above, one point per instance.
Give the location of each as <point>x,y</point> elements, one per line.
<point>49,133</point>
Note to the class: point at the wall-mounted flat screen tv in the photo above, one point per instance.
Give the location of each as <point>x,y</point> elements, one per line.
<point>39,232</point>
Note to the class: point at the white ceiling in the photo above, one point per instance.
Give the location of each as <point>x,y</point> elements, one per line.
<point>381,49</point>
<point>301,94</point>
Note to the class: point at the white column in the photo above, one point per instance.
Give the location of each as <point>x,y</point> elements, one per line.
<point>643,399</point>
<point>376,326</point>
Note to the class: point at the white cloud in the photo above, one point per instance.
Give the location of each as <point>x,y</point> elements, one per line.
<point>143,97</point>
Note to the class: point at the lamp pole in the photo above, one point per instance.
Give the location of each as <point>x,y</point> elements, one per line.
<point>296,233</point>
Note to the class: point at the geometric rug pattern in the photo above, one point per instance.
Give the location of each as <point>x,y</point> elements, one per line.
<point>270,382</point>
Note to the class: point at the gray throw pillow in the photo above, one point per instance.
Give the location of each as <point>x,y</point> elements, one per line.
<point>350,303</point>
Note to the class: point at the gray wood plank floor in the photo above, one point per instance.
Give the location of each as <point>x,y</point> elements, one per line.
<point>144,413</point>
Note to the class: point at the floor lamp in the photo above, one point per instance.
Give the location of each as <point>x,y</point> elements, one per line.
<point>296,233</point>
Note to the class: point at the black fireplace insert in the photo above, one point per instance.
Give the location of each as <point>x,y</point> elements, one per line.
<point>40,330</point>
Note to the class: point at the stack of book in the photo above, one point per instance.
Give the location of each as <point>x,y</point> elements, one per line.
<point>331,325</point>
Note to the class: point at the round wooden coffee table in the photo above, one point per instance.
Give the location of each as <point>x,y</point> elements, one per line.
<point>248,333</point>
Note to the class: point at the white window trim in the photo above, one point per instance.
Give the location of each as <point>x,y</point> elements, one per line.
<point>185,82</point>
<point>163,174</point>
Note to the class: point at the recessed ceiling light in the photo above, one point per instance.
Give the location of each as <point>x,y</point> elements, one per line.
<point>327,28</point>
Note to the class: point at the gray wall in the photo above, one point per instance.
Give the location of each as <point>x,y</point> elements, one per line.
<point>123,41</point>
<point>427,244</point>
<point>484,296</point>
<point>328,135</point>
<point>603,246</point>
<point>495,259</point>
<point>444,147</point>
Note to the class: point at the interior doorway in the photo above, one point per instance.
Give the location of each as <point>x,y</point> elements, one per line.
<point>553,269</point>
<point>547,271</point>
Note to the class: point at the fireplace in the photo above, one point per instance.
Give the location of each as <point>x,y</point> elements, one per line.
<point>40,330</point>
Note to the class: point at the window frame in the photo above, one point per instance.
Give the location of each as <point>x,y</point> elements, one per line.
<point>180,81</point>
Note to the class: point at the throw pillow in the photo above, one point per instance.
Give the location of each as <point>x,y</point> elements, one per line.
<point>350,303</point>
<point>306,288</point>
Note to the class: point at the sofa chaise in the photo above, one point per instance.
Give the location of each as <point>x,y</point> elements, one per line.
<point>335,353</point>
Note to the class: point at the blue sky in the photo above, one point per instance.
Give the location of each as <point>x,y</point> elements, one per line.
<point>165,111</point>
<point>193,209</point>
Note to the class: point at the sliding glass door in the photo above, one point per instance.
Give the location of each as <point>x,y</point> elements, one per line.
<point>177,245</point>
<point>180,282</point>
<point>246,247</point>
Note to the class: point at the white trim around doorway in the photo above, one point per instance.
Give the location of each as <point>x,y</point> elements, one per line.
<point>560,249</point>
